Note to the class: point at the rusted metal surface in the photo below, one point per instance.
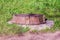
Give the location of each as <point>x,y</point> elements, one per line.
<point>30,19</point>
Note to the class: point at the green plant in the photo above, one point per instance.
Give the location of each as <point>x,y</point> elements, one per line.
<point>50,8</point>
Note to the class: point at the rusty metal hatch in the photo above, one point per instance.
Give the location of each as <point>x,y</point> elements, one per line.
<point>29,19</point>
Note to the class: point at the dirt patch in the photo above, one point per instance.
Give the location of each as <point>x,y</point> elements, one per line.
<point>29,36</point>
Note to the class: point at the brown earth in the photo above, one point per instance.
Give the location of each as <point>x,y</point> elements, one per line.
<point>30,36</point>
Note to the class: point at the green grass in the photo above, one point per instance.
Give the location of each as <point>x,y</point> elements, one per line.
<point>51,8</point>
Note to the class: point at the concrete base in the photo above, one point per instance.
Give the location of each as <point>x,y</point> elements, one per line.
<point>48,24</point>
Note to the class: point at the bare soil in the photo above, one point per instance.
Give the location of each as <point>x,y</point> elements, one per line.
<point>30,36</point>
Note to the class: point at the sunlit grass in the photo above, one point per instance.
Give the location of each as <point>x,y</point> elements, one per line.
<point>51,8</point>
